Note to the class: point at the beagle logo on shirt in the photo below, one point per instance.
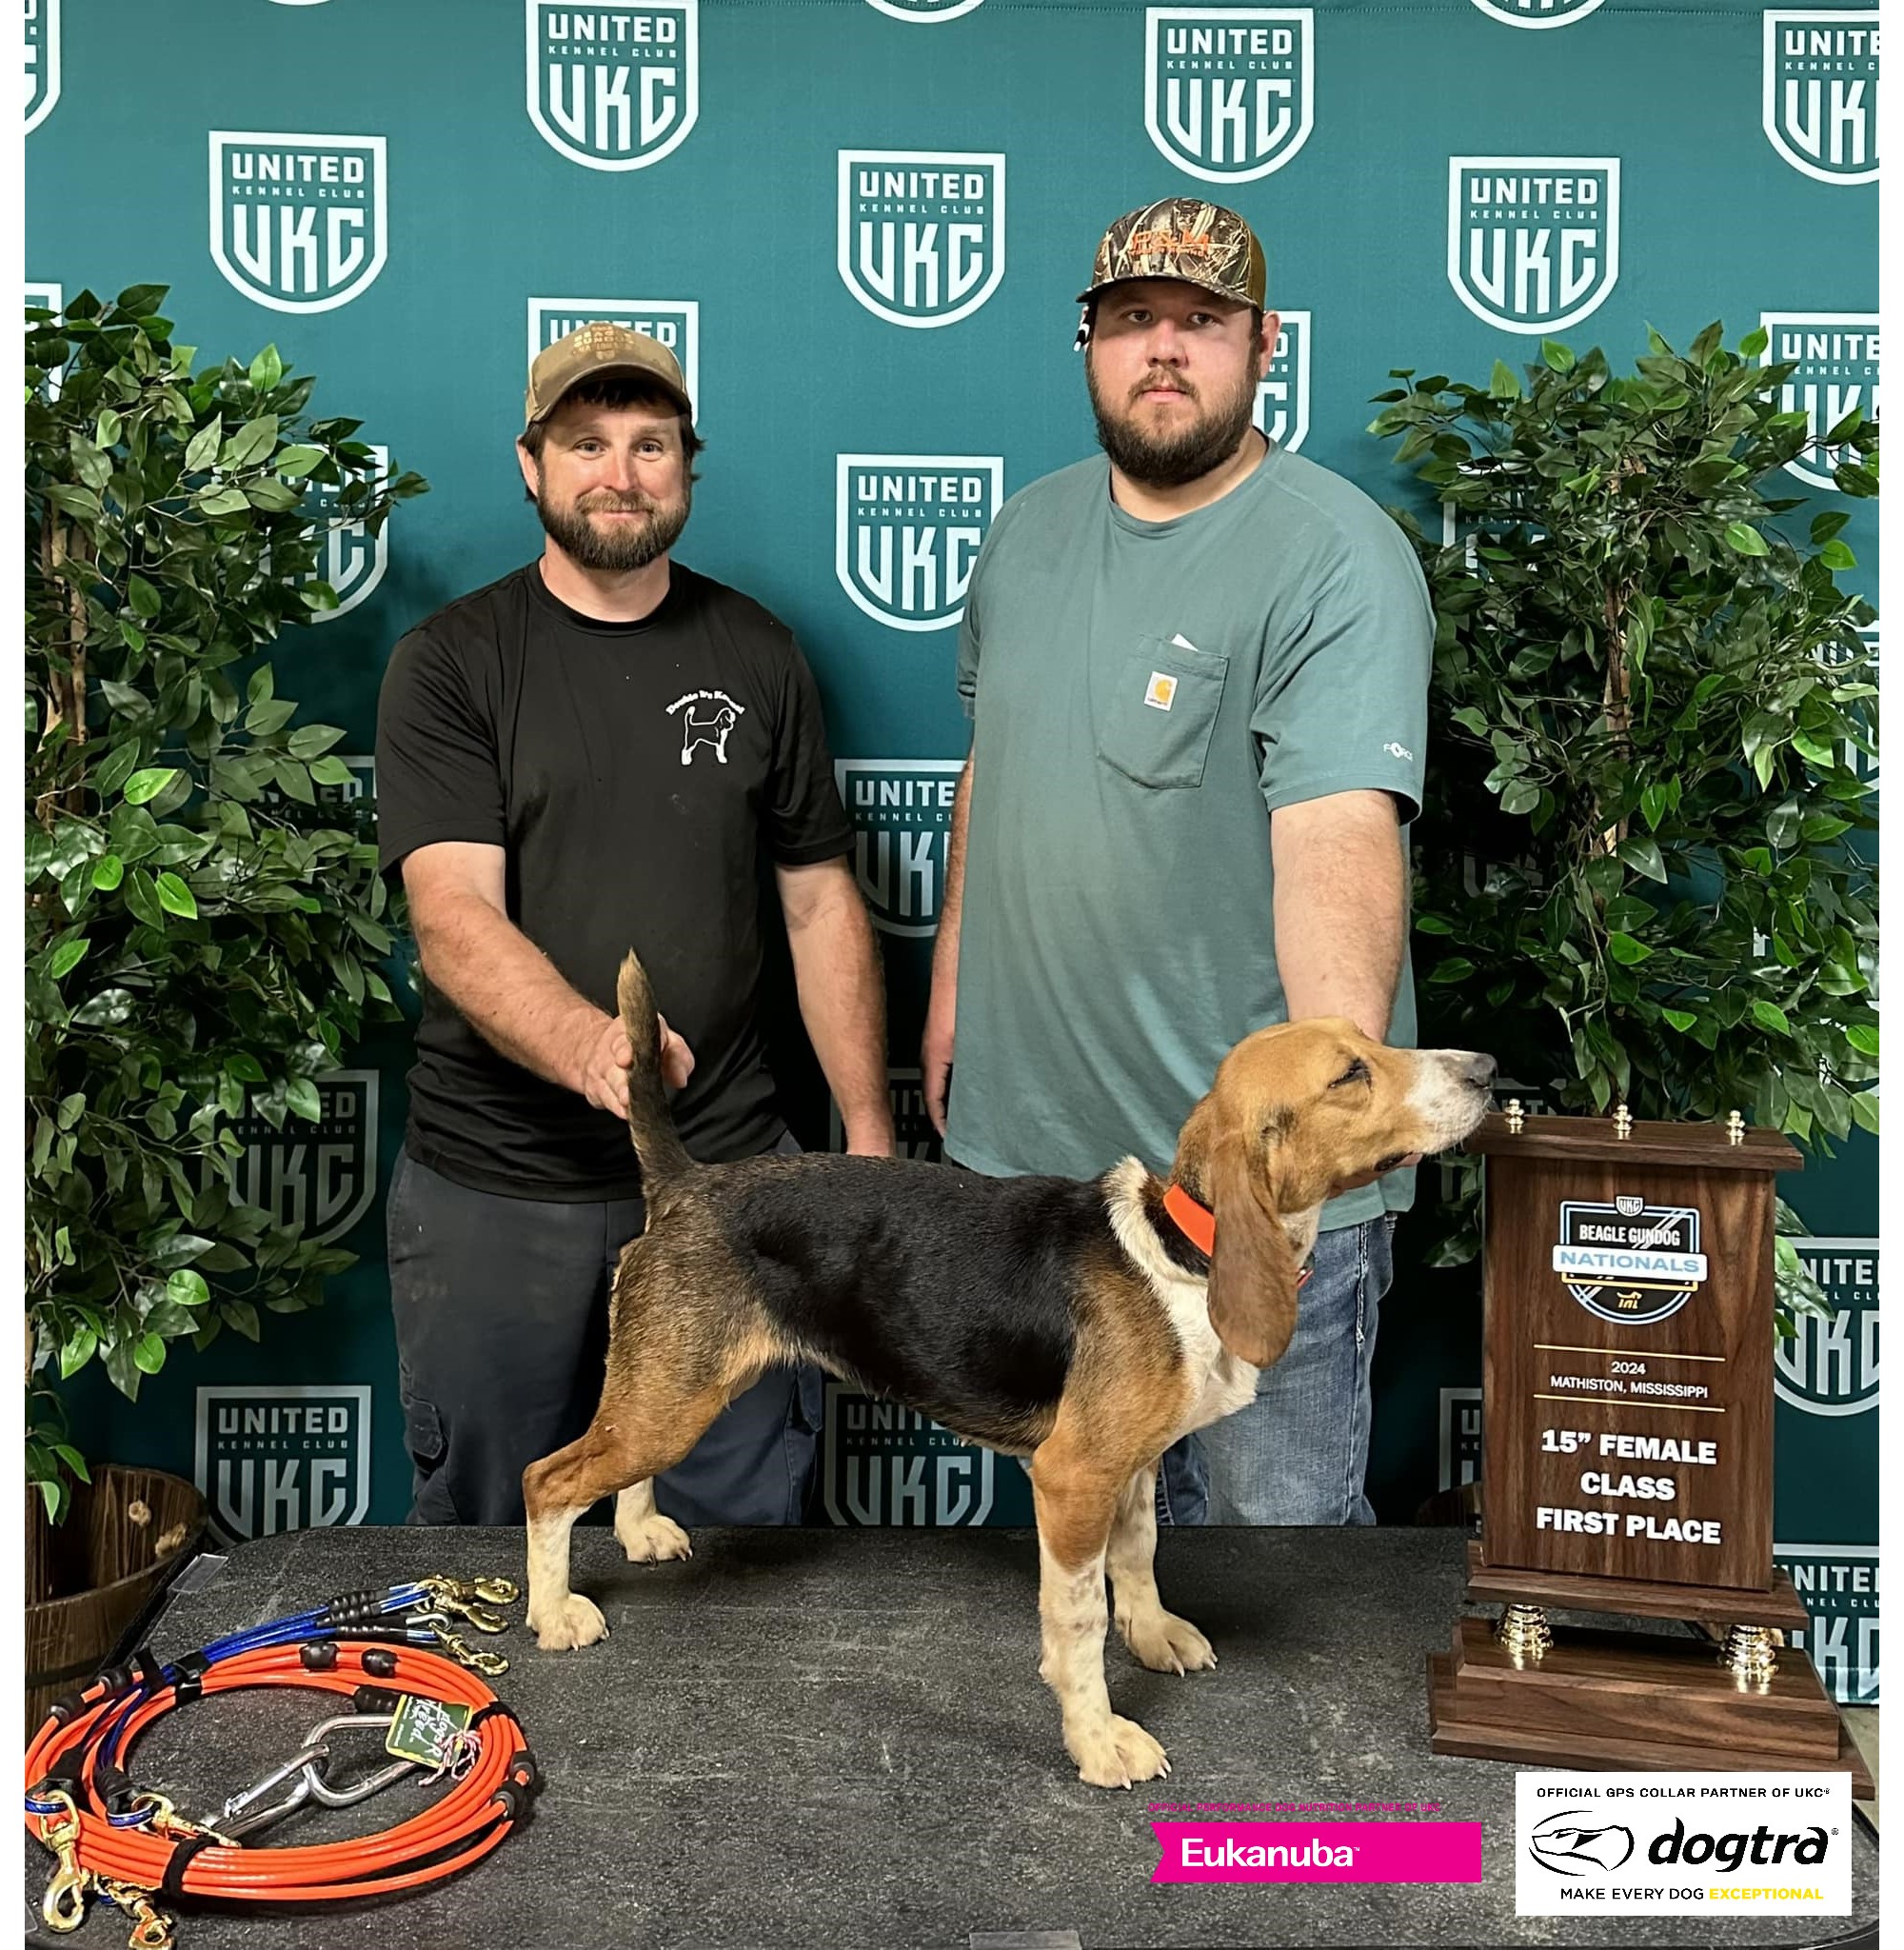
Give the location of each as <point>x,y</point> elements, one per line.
<point>707,717</point>
<point>1161,692</point>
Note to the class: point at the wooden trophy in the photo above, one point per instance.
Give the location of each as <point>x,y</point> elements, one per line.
<point>1627,1460</point>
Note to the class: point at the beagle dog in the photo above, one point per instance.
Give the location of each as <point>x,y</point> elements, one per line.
<point>1087,1324</point>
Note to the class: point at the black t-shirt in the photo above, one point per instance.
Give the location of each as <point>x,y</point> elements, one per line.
<point>636,774</point>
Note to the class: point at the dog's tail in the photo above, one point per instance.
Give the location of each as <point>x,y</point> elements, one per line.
<point>657,1145</point>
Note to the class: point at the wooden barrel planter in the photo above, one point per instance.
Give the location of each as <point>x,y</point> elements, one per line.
<point>90,1576</point>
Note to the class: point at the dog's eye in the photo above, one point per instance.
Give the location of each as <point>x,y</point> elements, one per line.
<point>1358,1072</point>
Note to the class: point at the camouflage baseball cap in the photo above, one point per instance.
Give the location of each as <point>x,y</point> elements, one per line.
<point>1182,237</point>
<point>592,351</point>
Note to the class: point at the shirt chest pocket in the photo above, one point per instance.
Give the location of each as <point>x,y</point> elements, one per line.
<point>1156,721</point>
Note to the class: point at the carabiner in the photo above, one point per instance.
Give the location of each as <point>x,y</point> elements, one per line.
<point>62,1907</point>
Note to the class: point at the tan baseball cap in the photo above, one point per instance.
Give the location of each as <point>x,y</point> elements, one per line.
<point>1182,237</point>
<point>592,351</point>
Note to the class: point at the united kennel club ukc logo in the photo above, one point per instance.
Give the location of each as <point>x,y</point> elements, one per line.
<point>913,1133</point>
<point>901,814</point>
<point>1822,91</point>
<point>1629,1262</point>
<point>318,1178</point>
<point>43,60</point>
<point>926,10</point>
<point>907,529</point>
<point>1830,1368</point>
<point>921,232</point>
<point>882,1464</point>
<point>1533,241</point>
<point>1835,353</point>
<point>614,87</point>
<point>351,559</point>
<point>47,298</point>
<point>1838,1586</point>
<point>299,223</point>
<point>1229,93</point>
<point>295,1457</point>
<point>672,321</point>
<point>1283,393</point>
<point>1537,12</point>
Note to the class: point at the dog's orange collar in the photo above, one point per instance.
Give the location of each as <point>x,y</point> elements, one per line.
<point>1197,1223</point>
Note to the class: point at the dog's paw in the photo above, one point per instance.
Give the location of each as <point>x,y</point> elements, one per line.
<point>576,1621</point>
<point>1166,1644</point>
<point>654,1539</point>
<point>1118,1754</point>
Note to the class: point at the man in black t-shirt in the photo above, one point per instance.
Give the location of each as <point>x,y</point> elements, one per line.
<point>598,752</point>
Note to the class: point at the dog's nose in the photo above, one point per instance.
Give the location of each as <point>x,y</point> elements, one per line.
<point>1480,1071</point>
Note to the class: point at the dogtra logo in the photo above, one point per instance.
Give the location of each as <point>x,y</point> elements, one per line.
<point>289,1458</point>
<point>925,9</point>
<point>1537,12</point>
<point>318,1178</point>
<point>921,232</point>
<point>914,1135</point>
<point>1533,241</point>
<point>1229,93</point>
<point>614,87</point>
<point>353,560</point>
<point>1283,393</point>
<point>1835,354</point>
<point>673,322</point>
<point>884,1463</point>
<point>1822,91</point>
<point>1831,1366</point>
<point>43,60</point>
<point>1839,1585</point>
<point>298,222</point>
<point>901,814</point>
<point>908,530</point>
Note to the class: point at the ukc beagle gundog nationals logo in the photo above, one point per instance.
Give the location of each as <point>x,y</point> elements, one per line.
<point>43,60</point>
<point>296,1457</point>
<point>907,529</point>
<point>1835,354</point>
<point>1283,393</point>
<point>672,321</point>
<point>1628,1261</point>
<point>921,232</point>
<point>1533,241</point>
<point>901,814</point>
<point>614,87</point>
<point>298,222</point>
<point>705,718</point>
<point>1229,93</point>
<point>1822,91</point>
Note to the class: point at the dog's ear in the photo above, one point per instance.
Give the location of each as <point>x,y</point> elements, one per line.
<point>1253,1272</point>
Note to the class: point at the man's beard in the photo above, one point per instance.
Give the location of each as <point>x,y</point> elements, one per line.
<point>623,545</point>
<point>1173,459</point>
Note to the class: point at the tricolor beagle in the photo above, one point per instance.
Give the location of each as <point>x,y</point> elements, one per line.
<point>1078,1323</point>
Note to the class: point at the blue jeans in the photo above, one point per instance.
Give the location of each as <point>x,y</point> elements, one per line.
<point>1298,1453</point>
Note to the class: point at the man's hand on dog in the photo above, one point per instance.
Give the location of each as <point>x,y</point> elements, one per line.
<point>607,1055</point>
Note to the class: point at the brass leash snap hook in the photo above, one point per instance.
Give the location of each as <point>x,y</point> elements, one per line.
<point>62,1907</point>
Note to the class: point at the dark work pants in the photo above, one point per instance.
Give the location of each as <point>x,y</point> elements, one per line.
<point>501,1318</point>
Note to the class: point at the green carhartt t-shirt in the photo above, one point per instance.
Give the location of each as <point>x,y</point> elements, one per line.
<point>1143,695</point>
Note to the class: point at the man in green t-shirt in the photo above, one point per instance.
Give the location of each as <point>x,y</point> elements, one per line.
<point>1198,679</point>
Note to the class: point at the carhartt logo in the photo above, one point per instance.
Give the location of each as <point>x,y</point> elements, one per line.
<point>298,222</point>
<point>1829,1367</point>
<point>1537,12</point>
<point>1161,690</point>
<point>295,1457</point>
<point>1836,357</point>
<point>1533,241</point>
<point>1820,109</point>
<point>705,717</point>
<point>1229,91</point>
<point>1283,393</point>
<point>43,60</point>
<point>907,529</point>
<point>901,814</point>
<point>614,87</point>
<point>672,321</point>
<point>922,238</point>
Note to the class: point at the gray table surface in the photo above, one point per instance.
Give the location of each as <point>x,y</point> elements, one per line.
<point>840,1738</point>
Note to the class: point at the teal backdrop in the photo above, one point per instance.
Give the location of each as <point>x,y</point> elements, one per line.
<point>861,223</point>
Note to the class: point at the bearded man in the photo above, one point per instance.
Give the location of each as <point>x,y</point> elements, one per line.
<point>1199,677</point>
<point>601,751</point>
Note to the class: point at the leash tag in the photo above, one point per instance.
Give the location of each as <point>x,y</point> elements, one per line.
<point>426,1731</point>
